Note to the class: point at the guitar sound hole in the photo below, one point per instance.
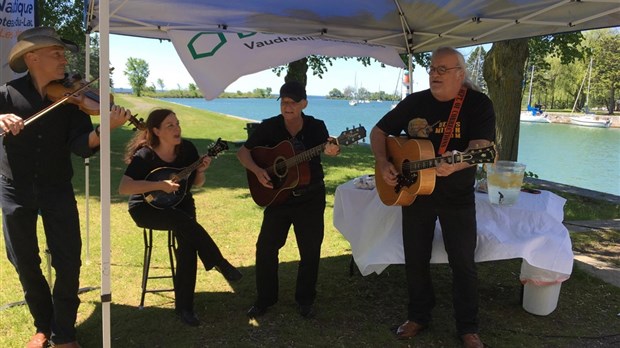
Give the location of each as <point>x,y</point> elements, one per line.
<point>279,167</point>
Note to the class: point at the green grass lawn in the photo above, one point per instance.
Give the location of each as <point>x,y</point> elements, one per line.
<point>352,311</point>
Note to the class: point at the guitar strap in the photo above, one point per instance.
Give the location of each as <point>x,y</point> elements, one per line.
<point>454,114</point>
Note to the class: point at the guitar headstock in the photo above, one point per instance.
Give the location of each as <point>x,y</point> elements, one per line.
<point>215,149</point>
<point>350,136</point>
<point>481,155</point>
<point>138,124</point>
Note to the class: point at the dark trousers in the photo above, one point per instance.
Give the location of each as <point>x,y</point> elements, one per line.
<point>306,215</point>
<point>192,239</point>
<point>458,225</point>
<point>54,312</point>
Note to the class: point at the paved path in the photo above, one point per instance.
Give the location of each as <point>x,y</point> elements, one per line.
<point>602,270</point>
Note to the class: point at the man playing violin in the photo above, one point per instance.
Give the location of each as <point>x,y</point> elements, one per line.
<point>35,179</point>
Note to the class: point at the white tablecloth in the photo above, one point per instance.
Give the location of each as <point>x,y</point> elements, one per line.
<point>532,229</point>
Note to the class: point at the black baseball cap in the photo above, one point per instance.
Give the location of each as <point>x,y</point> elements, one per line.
<point>294,90</point>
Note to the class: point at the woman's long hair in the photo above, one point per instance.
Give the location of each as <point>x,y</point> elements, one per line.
<point>147,137</point>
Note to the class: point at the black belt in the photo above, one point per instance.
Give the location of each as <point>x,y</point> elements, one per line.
<point>300,191</point>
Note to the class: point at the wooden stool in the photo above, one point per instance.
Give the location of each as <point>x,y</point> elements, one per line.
<point>148,249</point>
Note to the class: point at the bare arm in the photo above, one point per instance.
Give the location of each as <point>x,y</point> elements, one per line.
<point>129,186</point>
<point>118,116</point>
<point>200,179</point>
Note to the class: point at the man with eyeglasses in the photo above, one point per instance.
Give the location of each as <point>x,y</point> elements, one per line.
<point>426,115</point>
<point>303,209</point>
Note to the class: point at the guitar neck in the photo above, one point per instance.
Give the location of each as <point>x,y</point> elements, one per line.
<point>416,166</point>
<point>305,156</point>
<point>185,173</point>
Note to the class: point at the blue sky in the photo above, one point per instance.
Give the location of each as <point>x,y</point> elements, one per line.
<point>165,64</point>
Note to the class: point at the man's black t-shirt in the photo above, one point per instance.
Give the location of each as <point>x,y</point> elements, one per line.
<point>422,116</point>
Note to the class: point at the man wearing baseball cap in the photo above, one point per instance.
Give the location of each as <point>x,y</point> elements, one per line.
<point>304,208</point>
<point>35,179</point>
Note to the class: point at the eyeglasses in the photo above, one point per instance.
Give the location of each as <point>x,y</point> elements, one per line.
<point>440,70</point>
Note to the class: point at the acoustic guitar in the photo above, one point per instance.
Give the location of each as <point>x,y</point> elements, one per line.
<point>415,161</point>
<point>287,169</point>
<point>161,199</point>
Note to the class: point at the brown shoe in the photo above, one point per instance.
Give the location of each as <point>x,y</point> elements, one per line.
<point>73,344</point>
<point>39,340</point>
<point>472,340</point>
<point>409,329</point>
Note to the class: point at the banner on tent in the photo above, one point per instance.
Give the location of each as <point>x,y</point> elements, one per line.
<point>215,59</point>
<point>15,17</point>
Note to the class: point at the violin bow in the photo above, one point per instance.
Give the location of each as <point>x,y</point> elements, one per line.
<point>53,105</point>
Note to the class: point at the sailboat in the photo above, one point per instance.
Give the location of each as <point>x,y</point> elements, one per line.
<point>354,101</point>
<point>589,119</point>
<point>534,113</point>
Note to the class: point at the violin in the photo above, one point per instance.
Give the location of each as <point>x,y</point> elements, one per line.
<point>78,92</point>
<point>75,90</point>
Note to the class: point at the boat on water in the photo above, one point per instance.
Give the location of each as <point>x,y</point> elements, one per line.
<point>528,117</point>
<point>591,121</point>
<point>534,113</point>
<point>353,102</point>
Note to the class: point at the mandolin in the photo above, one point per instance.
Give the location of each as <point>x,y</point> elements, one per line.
<point>161,199</point>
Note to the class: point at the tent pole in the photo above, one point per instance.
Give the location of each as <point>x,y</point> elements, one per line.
<point>104,109</point>
<point>87,160</point>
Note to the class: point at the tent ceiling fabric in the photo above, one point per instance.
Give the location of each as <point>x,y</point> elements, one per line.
<point>429,24</point>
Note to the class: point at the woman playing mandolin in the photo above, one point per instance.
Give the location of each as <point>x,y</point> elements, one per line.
<point>159,145</point>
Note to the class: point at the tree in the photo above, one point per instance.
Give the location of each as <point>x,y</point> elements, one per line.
<point>160,83</point>
<point>475,62</point>
<point>606,67</point>
<point>66,16</point>
<point>336,94</point>
<point>298,69</point>
<point>504,73</point>
<point>137,72</point>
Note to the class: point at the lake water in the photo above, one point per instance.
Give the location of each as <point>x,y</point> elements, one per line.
<point>578,156</point>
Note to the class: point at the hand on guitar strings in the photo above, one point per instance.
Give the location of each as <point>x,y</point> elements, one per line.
<point>206,162</point>
<point>331,147</point>
<point>264,178</point>
<point>389,173</point>
<point>169,186</point>
<point>445,168</point>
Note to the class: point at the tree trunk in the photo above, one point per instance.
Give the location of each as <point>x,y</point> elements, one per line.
<point>612,100</point>
<point>297,71</point>
<point>504,66</point>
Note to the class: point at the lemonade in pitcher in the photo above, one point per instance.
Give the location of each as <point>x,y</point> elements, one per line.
<point>504,180</point>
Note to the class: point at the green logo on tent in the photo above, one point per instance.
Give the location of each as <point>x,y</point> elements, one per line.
<point>205,44</point>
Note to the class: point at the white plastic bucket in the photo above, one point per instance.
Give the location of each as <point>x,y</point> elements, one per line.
<point>541,299</point>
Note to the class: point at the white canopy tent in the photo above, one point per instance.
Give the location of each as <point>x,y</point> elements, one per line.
<point>406,25</point>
